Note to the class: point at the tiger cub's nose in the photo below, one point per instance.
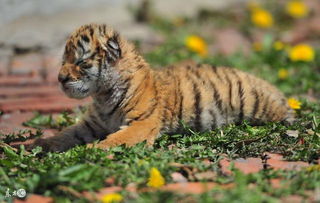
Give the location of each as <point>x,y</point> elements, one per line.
<point>63,78</point>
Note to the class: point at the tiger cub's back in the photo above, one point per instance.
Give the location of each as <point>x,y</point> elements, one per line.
<point>210,97</point>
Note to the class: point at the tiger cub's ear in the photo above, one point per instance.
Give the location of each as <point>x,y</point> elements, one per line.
<point>113,50</point>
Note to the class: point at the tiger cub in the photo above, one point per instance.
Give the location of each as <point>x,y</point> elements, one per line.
<point>134,103</point>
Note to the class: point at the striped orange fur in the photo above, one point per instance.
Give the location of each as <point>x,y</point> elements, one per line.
<point>133,103</point>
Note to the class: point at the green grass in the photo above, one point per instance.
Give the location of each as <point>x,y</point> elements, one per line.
<point>82,169</point>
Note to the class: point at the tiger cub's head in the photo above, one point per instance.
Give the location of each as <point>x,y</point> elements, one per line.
<point>90,55</point>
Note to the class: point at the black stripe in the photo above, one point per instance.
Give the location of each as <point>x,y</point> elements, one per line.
<point>217,100</point>
<point>146,114</point>
<point>85,38</point>
<point>196,72</point>
<point>198,110</point>
<point>230,91</point>
<point>180,107</point>
<point>241,93</point>
<point>256,103</point>
<point>91,32</point>
<point>181,100</point>
<point>269,111</point>
<point>116,38</point>
<point>81,46</point>
<point>217,97</point>
<point>135,91</point>
<point>111,57</point>
<point>214,69</point>
<point>177,90</point>
<point>119,102</point>
<point>78,137</point>
<point>197,101</point>
<point>265,107</point>
<point>89,127</point>
<point>214,119</point>
<point>104,29</point>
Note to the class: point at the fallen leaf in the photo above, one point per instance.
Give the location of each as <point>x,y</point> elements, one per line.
<point>208,175</point>
<point>292,133</point>
<point>178,178</point>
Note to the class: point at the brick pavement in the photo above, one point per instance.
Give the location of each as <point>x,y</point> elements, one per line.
<point>28,83</point>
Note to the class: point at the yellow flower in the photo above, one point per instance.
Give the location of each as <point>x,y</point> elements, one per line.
<point>257,46</point>
<point>155,180</point>
<point>301,52</point>
<point>278,45</point>
<point>261,18</point>
<point>294,104</point>
<point>283,73</point>
<point>197,44</point>
<point>112,197</point>
<point>313,168</point>
<point>297,9</point>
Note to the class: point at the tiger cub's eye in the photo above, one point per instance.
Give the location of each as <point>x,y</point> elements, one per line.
<point>85,65</point>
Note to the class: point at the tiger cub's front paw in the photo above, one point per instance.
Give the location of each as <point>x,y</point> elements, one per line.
<point>46,145</point>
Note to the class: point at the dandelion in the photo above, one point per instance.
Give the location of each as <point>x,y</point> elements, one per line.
<point>278,45</point>
<point>155,180</point>
<point>283,73</point>
<point>257,46</point>
<point>294,104</point>
<point>112,197</point>
<point>297,9</point>
<point>301,52</point>
<point>197,44</point>
<point>313,168</point>
<point>261,18</point>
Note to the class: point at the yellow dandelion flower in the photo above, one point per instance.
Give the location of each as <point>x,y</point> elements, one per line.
<point>155,180</point>
<point>294,104</point>
<point>261,18</point>
<point>257,46</point>
<point>112,197</point>
<point>297,9</point>
<point>313,168</point>
<point>301,52</point>
<point>197,44</point>
<point>283,73</point>
<point>278,45</point>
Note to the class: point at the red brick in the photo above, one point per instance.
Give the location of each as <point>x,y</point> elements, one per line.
<point>35,199</point>
<point>52,65</point>
<point>26,64</point>
<point>41,104</point>
<point>39,91</point>
<point>193,187</point>
<point>276,162</point>
<point>4,66</point>
<point>5,58</point>
<point>12,122</point>
<point>249,165</point>
<point>14,80</point>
